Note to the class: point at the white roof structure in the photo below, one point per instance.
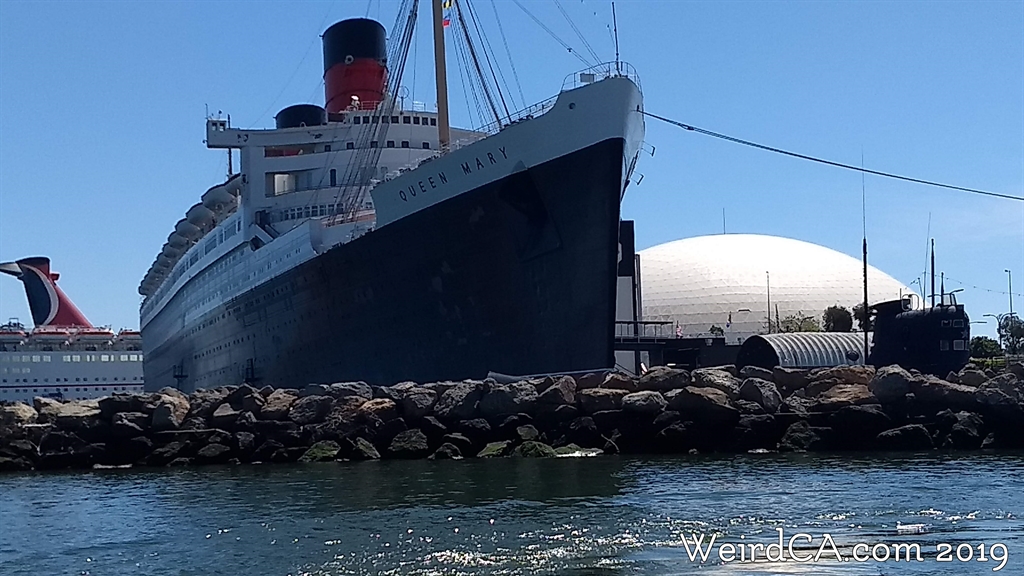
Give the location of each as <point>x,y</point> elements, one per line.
<point>723,280</point>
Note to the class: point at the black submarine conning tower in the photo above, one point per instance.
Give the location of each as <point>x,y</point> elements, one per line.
<point>355,64</point>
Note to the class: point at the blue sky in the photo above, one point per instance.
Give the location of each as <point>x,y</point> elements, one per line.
<point>102,110</point>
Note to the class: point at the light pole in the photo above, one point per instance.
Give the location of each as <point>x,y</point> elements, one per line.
<point>998,335</point>
<point>1009,288</point>
<point>768,280</point>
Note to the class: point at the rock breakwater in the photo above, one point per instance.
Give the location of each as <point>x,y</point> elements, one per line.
<point>664,411</point>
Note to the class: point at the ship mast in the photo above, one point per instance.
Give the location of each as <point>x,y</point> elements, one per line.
<point>441,78</point>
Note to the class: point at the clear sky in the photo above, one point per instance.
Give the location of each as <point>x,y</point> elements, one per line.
<point>102,109</point>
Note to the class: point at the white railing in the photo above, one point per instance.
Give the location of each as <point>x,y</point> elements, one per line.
<point>599,72</point>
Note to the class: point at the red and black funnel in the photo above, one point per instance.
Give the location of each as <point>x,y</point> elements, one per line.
<point>48,303</point>
<point>355,64</point>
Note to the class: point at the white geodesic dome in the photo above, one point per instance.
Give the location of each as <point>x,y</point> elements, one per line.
<point>723,280</point>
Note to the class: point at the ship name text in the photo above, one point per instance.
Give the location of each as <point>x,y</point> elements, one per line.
<point>432,182</point>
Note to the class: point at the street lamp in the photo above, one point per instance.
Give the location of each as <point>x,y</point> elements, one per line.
<point>998,335</point>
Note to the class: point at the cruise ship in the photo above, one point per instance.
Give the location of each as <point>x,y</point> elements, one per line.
<point>364,240</point>
<point>63,356</point>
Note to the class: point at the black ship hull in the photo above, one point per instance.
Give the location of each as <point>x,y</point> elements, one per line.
<point>517,276</point>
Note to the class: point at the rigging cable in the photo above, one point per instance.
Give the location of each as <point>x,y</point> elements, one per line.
<point>476,63</point>
<point>508,53</point>
<point>485,48</point>
<point>552,34</point>
<point>829,162</point>
<point>577,31</point>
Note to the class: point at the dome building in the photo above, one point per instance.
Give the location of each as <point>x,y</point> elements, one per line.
<point>724,280</point>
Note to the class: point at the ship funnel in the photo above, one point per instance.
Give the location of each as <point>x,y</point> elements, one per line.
<point>355,64</point>
<point>48,303</point>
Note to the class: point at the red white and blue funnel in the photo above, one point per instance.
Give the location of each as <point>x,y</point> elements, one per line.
<point>48,303</point>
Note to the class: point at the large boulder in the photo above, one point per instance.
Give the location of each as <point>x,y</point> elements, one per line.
<point>789,380</point>
<point>857,427</point>
<point>592,380</point>
<point>341,390</point>
<point>310,410</point>
<point>77,415</point>
<point>939,393</point>
<point>843,395</point>
<point>409,444</point>
<point>663,379</point>
<point>703,405</point>
<point>533,449</point>
<point>971,377</point>
<point>203,402</point>
<point>504,400</point>
<point>644,402</point>
<point>278,404</point>
<point>416,402</point>
<point>966,430</point>
<point>560,392</point>
<point>801,437</point>
<point>890,384</point>
<point>717,379</point>
<point>619,381</point>
<point>763,392</point>
<point>755,372</point>
<point>17,414</point>
<point>171,410</point>
<point>459,402</point>
<point>848,374</point>
<point>323,451</point>
<point>598,399</point>
<point>224,416</point>
<point>446,451</point>
<point>909,437</point>
<point>382,409</point>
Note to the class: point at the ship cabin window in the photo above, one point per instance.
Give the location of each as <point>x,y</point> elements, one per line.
<point>366,119</point>
<point>36,358</point>
<point>406,119</point>
<point>124,357</point>
<point>350,145</point>
<point>405,143</point>
<point>391,144</point>
<point>25,358</point>
<point>357,120</point>
<point>67,358</point>
<point>373,143</point>
<point>374,120</point>
<point>385,119</point>
<point>426,145</point>
<point>958,323</point>
<point>46,357</point>
<point>945,323</point>
<point>334,177</point>
<point>394,119</point>
<point>76,358</point>
<point>433,121</point>
<point>958,345</point>
<point>104,358</point>
<point>944,345</point>
<point>415,119</point>
<point>327,147</point>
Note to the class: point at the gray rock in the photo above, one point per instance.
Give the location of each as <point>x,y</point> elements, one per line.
<point>496,450</point>
<point>800,437</point>
<point>857,426</point>
<point>587,381</point>
<point>663,379</point>
<point>46,409</point>
<point>203,402</point>
<point>750,408</point>
<point>972,378</point>
<point>909,437</point>
<point>763,392</point>
<point>756,372</point>
<point>77,415</point>
<point>278,404</point>
<point>315,390</point>
<point>213,454</point>
<point>717,379</point>
<point>703,405</point>
<point>597,399</point>
<point>819,386</point>
<point>341,390</point>
<point>560,392</point>
<point>645,402</point>
<point>937,392</point>
<point>17,414</point>
<point>446,451</point>
<point>464,444</point>
<point>619,381</point>
<point>362,449</point>
<point>532,449</point>
<point>236,396</point>
<point>527,433</point>
<point>503,400</point>
<point>583,431</point>
<point>224,416</point>
<point>789,380</point>
<point>246,442</point>
<point>171,410</point>
<point>842,395</point>
<point>416,403</point>
<point>310,409</point>
<point>847,374</point>
<point>409,444</point>
<point>323,451</point>
<point>459,402</point>
<point>890,384</point>
<point>380,408</point>
<point>966,432</point>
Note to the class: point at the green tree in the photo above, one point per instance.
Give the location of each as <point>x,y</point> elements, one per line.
<point>985,347</point>
<point>864,321</point>
<point>799,322</point>
<point>1011,330</point>
<point>837,319</point>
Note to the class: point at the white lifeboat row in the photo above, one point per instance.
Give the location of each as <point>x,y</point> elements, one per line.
<point>67,335</point>
<point>217,203</point>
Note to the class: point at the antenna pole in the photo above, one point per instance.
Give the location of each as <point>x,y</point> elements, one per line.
<point>615,29</point>
<point>933,272</point>
<point>723,220</point>
<point>864,225</point>
<point>441,78</point>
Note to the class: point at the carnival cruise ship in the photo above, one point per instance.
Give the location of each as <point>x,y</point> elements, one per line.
<point>367,241</point>
<point>63,356</point>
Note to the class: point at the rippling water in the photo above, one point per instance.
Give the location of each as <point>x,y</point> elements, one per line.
<point>603,515</point>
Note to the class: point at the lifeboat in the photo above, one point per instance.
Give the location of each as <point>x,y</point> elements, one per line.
<point>199,215</point>
<point>177,240</point>
<point>187,229</point>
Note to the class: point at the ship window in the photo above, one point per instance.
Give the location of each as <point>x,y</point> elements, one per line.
<point>391,144</point>
<point>405,143</point>
<point>133,357</point>
<point>426,145</point>
<point>24,358</point>
<point>374,119</point>
<point>356,120</point>
<point>306,212</point>
<point>406,119</point>
<point>373,143</point>
<point>944,345</point>
<point>323,210</point>
<point>433,121</point>
<point>415,119</point>
<point>334,177</point>
<point>350,145</point>
<point>385,119</point>
<point>76,358</point>
<point>124,357</point>
<point>958,345</point>
<point>327,147</point>
<point>958,323</point>
<point>46,357</point>
<point>394,119</point>
<point>104,358</point>
<point>36,358</point>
